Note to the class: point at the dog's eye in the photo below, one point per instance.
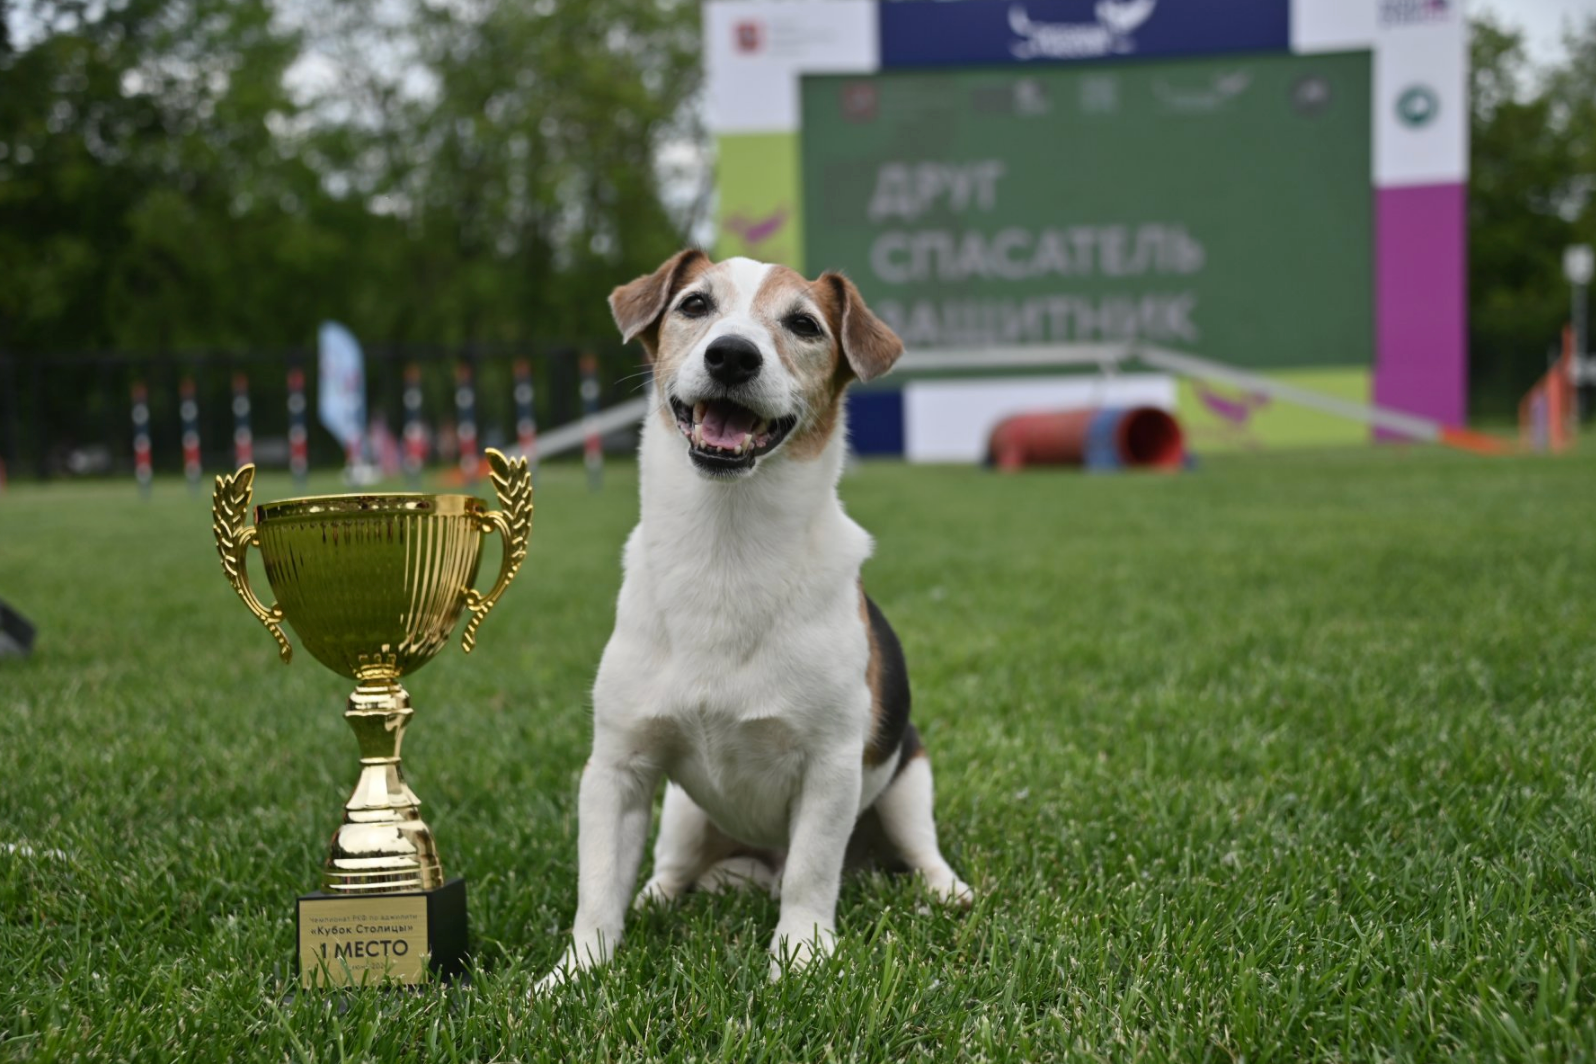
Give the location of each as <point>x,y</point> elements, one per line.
<point>803,325</point>
<point>694,306</point>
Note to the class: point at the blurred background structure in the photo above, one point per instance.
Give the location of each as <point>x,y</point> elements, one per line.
<point>189,189</point>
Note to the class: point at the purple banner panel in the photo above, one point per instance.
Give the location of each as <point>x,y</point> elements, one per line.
<point>1420,306</point>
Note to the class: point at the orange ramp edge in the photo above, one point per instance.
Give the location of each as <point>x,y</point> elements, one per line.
<point>1475,442</point>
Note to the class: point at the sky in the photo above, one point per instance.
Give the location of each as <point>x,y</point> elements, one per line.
<point>1541,20</point>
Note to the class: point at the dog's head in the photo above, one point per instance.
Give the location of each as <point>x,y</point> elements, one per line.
<point>751,359</point>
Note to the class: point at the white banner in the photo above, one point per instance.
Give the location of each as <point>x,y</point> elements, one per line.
<point>1333,25</point>
<point>754,52</point>
<point>342,388</point>
<point>951,420</point>
<point>1421,93</point>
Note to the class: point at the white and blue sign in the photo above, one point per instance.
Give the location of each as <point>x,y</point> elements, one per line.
<point>930,33</point>
<point>341,397</point>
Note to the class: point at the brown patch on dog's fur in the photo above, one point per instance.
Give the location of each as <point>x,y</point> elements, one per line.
<point>639,307</point>
<point>873,754</point>
<point>870,347</point>
<point>862,348</point>
<point>887,677</point>
<point>638,304</point>
<point>820,377</point>
<point>783,290</point>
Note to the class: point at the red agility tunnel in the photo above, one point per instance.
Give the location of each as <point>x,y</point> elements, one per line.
<point>1139,437</point>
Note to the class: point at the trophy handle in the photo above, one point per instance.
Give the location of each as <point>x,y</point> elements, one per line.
<point>512,483</point>
<point>234,534</point>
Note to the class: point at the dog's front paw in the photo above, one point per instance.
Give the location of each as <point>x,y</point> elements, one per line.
<point>949,889</point>
<point>569,967</point>
<point>796,949</point>
<point>584,952</point>
<point>554,980</point>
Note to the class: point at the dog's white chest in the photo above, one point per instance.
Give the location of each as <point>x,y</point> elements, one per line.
<point>743,773</point>
<point>732,714</point>
<point>739,652</point>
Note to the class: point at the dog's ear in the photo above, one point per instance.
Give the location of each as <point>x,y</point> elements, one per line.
<point>637,305</point>
<point>868,344</point>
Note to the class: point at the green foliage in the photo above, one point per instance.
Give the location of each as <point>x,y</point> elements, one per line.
<point>1532,176</point>
<point>1286,760</point>
<point>485,172</point>
<point>161,187</point>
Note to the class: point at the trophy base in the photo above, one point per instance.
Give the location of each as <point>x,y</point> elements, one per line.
<point>371,939</point>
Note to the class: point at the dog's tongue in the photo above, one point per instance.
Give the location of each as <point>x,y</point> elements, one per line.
<point>725,423</point>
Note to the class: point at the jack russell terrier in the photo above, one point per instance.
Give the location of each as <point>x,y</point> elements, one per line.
<point>747,664</point>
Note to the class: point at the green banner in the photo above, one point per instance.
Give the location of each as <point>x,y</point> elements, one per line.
<point>1222,206</point>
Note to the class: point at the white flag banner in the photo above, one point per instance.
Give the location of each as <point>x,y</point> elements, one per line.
<point>342,392</point>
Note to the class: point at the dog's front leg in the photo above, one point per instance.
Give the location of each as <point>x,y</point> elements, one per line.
<point>822,821</point>
<point>613,808</point>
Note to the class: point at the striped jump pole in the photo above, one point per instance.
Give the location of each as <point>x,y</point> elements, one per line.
<point>593,440</point>
<point>465,405</point>
<point>526,425</point>
<point>141,438</point>
<point>188,410</point>
<point>243,438</point>
<point>415,429</point>
<point>298,434</point>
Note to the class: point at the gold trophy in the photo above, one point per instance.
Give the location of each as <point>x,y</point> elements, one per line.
<point>373,586</point>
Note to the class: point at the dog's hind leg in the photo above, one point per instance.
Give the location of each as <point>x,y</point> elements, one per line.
<point>905,812</point>
<point>688,847</point>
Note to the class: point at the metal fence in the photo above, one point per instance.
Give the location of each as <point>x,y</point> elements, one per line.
<point>71,414</point>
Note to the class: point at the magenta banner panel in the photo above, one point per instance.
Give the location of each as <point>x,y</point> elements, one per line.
<point>1420,311</point>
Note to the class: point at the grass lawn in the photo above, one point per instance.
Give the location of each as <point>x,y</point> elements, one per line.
<point>1290,758</point>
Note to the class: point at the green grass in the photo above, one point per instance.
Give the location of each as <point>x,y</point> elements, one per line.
<point>1291,758</point>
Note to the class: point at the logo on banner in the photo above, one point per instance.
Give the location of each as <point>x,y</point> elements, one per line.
<point>1109,35</point>
<point>1209,97</point>
<point>1417,106</point>
<point>755,231</point>
<point>750,36</point>
<point>1099,94</point>
<point>1415,12</point>
<point>1310,95</point>
<point>860,101</point>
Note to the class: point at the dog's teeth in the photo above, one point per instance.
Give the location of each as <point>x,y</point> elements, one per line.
<point>759,426</point>
<point>698,412</point>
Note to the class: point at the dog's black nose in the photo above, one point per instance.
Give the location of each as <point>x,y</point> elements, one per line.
<point>732,360</point>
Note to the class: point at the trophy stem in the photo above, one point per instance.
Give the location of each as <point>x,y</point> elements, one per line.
<point>383,846</point>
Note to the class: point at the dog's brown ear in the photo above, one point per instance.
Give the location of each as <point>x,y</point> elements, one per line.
<point>637,305</point>
<point>869,346</point>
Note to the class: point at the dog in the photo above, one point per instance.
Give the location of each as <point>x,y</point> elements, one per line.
<point>747,665</point>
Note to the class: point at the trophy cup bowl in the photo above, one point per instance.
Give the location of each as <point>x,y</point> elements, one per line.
<point>373,586</point>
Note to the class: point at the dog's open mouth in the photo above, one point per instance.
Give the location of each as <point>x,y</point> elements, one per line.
<point>723,436</point>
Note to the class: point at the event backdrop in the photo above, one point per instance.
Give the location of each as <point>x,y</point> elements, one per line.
<point>1218,205</point>
<point>1273,183</point>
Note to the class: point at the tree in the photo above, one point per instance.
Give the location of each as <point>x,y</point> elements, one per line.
<point>1532,158</point>
<point>525,169</point>
<point>477,172</point>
